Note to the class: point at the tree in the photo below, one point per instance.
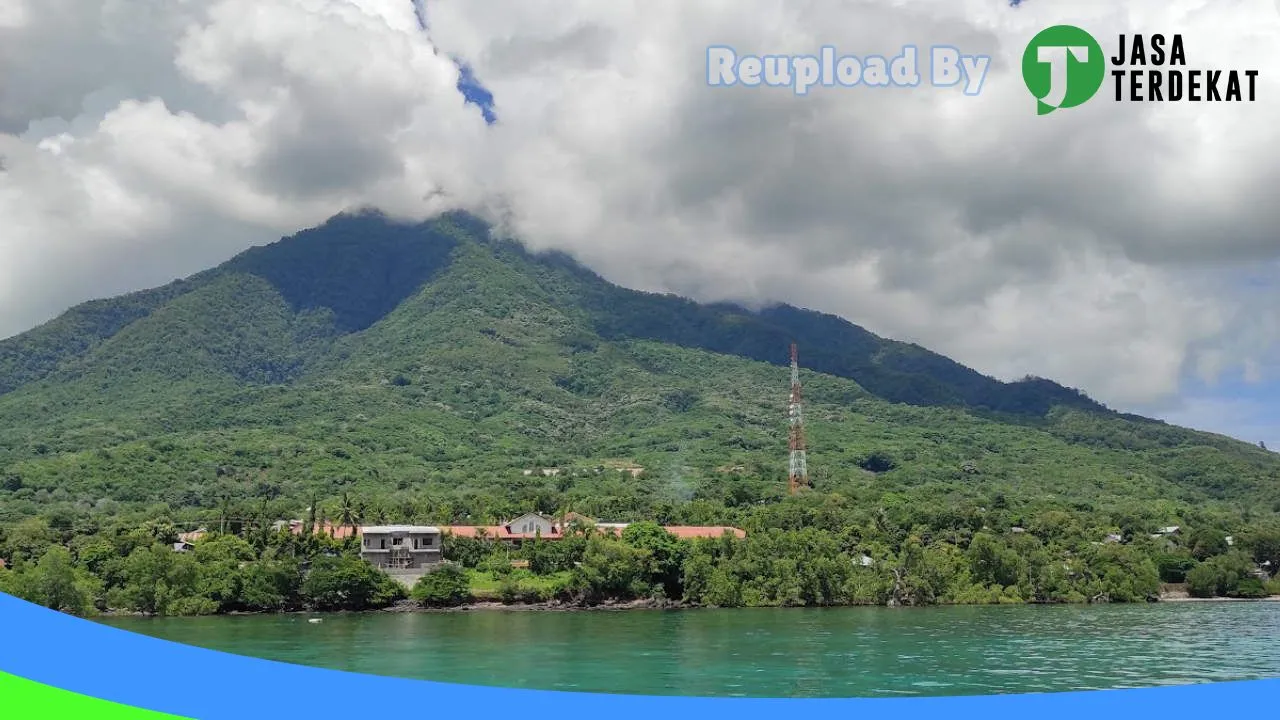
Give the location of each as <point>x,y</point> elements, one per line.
<point>610,569</point>
<point>1264,546</point>
<point>349,583</point>
<point>1205,542</point>
<point>1174,566</point>
<point>158,581</point>
<point>665,555</point>
<point>1223,576</point>
<point>349,513</point>
<point>54,583</point>
<point>447,586</point>
<point>269,585</point>
<point>991,561</point>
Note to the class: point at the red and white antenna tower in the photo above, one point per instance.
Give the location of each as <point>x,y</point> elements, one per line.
<point>798,473</point>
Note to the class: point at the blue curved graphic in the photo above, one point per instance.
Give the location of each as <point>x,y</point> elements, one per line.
<point>144,672</point>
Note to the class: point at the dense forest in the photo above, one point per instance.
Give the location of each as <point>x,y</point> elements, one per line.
<point>431,373</point>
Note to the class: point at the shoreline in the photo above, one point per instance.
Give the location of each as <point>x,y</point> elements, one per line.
<point>1188,599</point>
<point>408,606</point>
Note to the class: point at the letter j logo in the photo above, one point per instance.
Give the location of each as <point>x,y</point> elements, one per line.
<point>1063,67</point>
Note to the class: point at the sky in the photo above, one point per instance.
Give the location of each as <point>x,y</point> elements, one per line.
<point>1125,249</point>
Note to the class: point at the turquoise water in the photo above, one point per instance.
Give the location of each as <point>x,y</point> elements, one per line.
<point>838,652</point>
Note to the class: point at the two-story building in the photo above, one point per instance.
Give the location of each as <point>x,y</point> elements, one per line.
<point>401,547</point>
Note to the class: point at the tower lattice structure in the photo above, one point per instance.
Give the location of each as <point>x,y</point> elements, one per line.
<point>798,471</point>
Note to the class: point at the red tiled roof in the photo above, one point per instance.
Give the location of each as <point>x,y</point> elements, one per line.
<point>500,532</point>
<point>703,531</point>
<point>335,531</point>
<point>496,532</point>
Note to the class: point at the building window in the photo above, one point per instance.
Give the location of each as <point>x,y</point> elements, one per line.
<point>382,544</point>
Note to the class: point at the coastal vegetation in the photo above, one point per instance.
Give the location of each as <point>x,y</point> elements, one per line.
<point>367,372</point>
<point>879,561</point>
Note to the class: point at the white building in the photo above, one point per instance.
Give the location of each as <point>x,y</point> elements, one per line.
<point>532,524</point>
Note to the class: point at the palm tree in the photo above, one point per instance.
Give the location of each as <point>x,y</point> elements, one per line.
<point>349,514</point>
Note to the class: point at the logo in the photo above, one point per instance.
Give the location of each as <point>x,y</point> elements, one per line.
<point>1063,66</point>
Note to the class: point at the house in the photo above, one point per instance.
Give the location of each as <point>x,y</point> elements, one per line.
<point>528,526</point>
<point>182,547</point>
<point>1171,530</point>
<point>401,547</point>
<point>533,524</point>
<point>193,536</point>
<point>1114,538</point>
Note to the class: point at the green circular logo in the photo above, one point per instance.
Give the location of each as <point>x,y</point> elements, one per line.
<point>1063,67</point>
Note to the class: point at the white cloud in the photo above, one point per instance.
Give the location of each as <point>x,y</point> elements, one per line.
<point>151,139</point>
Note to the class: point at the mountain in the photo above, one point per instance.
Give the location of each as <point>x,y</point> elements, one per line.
<point>398,360</point>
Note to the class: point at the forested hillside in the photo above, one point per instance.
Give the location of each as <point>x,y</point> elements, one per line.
<point>431,373</point>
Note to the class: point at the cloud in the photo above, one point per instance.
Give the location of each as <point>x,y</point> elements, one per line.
<point>1107,246</point>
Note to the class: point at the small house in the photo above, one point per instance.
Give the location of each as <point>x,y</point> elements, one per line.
<point>532,525</point>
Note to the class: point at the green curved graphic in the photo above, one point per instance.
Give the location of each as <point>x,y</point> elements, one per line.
<point>22,699</point>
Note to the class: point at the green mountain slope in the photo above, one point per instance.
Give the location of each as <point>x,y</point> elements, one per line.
<point>433,364</point>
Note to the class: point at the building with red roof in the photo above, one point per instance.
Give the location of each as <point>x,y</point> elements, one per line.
<point>532,526</point>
